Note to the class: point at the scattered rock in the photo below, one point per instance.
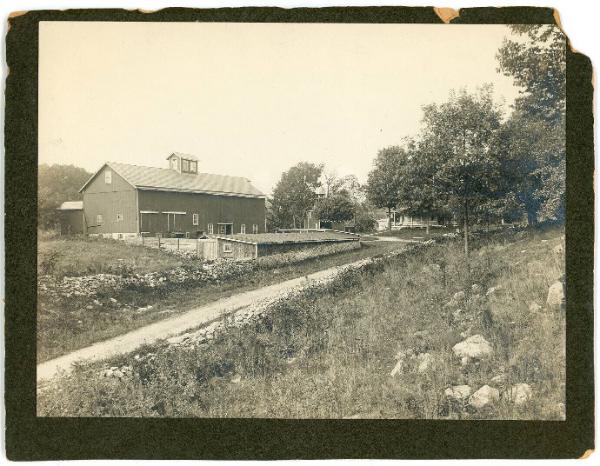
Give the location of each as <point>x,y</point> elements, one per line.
<point>113,300</point>
<point>520,393</point>
<point>97,303</point>
<point>236,379</point>
<point>534,307</point>
<point>475,288</point>
<point>459,296</point>
<point>89,307</point>
<point>556,296</point>
<point>474,347</point>
<point>398,368</point>
<point>457,314</point>
<point>458,392</point>
<point>483,397</point>
<point>425,360</point>
<point>498,379</point>
<point>421,334</point>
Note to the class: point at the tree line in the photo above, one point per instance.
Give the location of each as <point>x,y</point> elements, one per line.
<point>470,161</point>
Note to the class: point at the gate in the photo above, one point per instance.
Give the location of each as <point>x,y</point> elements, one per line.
<point>207,249</point>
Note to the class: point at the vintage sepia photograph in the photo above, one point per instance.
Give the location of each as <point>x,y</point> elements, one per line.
<point>301,220</point>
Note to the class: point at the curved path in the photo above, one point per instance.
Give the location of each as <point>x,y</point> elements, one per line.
<point>179,324</point>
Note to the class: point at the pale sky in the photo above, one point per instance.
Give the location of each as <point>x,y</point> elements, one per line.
<point>250,99</point>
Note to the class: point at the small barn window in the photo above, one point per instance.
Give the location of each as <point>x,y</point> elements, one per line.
<point>108,177</point>
<point>210,228</point>
<point>255,228</point>
<point>227,247</point>
<point>99,219</point>
<point>194,219</point>
<point>185,165</point>
<point>243,228</point>
<point>193,166</point>
<point>119,217</point>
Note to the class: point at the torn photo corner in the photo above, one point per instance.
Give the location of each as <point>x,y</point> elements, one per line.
<point>257,223</point>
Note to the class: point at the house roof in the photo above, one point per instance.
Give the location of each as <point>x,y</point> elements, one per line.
<point>183,156</point>
<point>71,205</point>
<point>166,179</point>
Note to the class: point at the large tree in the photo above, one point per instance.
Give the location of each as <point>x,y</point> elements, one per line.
<point>57,184</point>
<point>460,137</point>
<point>295,194</point>
<point>336,207</point>
<point>385,181</point>
<point>535,133</point>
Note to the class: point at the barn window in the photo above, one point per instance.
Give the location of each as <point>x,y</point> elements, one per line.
<point>194,219</point>
<point>119,217</point>
<point>174,163</point>
<point>99,219</point>
<point>185,165</point>
<point>193,166</point>
<point>227,247</point>
<point>108,177</point>
<point>210,228</point>
<point>243,228</point>
<point>255,228</point>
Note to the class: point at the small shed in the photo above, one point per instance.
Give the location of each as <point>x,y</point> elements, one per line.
<point>71,218</point>
<point>266,244</point>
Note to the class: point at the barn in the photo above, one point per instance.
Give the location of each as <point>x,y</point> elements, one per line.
<point>123,200</point>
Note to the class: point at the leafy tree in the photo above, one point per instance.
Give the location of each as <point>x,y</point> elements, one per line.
<point>535,133</point>
<point>57,184</point>
<point>385,181</point>
<point>337,207</point>
<point>295,194</point>
<point>537,65</point>
<point>460,136</point>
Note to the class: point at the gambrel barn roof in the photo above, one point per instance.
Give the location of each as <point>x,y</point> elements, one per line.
<point>165,179</point>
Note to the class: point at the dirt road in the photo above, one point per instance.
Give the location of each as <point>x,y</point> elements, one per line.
<point>179,324</point>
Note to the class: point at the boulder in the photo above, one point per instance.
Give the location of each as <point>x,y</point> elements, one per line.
<point>458,392</point>
<point>534,307</point>
<point>425,361</point>
<point>556,296</point>
<point>397,368</point>
<point>458,296</point>
<point>519,393</point>
<point>498,380</point>
<point>474,347</point>
<point>483,397</point>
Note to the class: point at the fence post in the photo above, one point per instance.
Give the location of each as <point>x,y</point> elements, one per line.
<point>159,242</point>
<point>142,239</point>
<point>178,244</point>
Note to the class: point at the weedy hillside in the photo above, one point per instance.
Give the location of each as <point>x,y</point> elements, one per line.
<point>420,335</point>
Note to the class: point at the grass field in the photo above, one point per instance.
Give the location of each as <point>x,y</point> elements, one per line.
<point>75,257</point>
<point>66,326</point>
<point>331,354</point>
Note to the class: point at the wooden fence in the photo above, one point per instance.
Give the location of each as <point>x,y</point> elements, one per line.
<point>203,248</point>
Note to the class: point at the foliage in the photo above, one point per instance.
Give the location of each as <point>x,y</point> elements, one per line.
<point>462,169</point>
<point>57,184</point>
<point>336,207</point>
<point>535,133</point>
<point>388,177</point>
<point>295,195</point>
<point>537,65</point>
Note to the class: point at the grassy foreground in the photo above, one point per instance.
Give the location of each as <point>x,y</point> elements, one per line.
<point>329,354</point>
<point>64,326</point>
